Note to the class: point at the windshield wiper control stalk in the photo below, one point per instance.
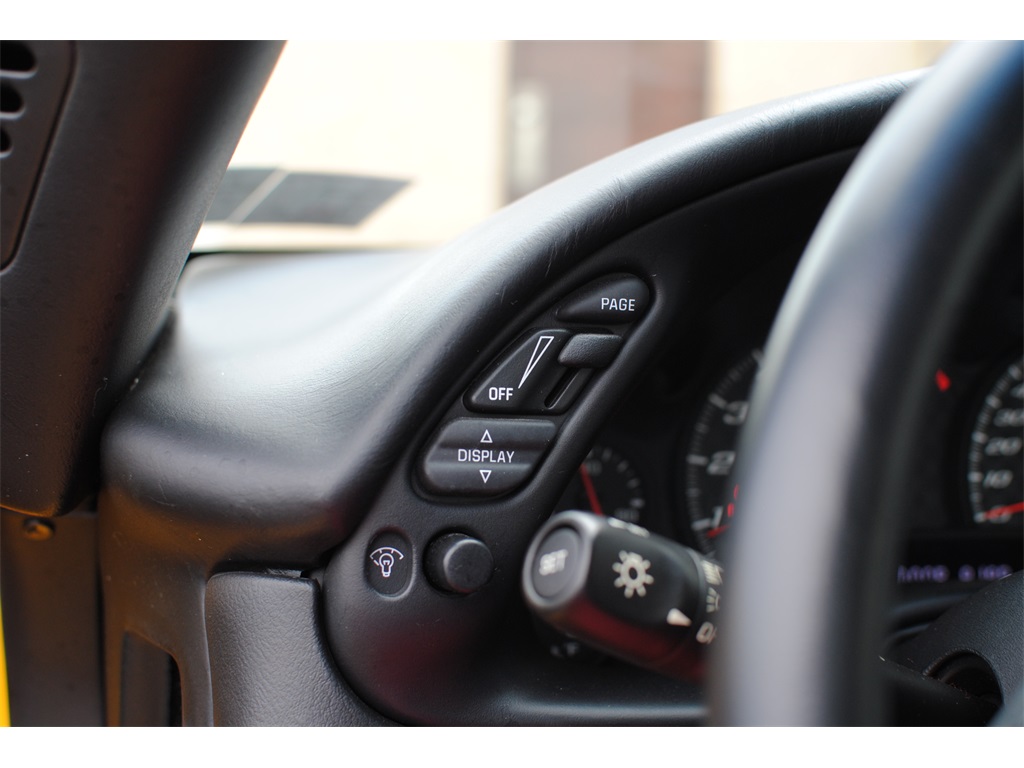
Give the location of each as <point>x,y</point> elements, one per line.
<point>620,588</point>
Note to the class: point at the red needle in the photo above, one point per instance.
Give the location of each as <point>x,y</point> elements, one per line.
<point>588,486</point>
<point>1006,511</point>
<point>730,511</point>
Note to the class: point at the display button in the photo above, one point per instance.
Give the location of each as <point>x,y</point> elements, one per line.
<point>526,379</point>
<point>484,457</point>
<point>613,300</point>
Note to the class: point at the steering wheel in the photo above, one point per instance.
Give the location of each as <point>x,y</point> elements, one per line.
<point>877,294</point>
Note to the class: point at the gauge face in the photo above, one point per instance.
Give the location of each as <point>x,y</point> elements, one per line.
<point>995,475</point>
<point>605,484</point>
<point>711,453</point>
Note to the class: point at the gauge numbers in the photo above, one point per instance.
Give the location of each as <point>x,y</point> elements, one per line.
<point>995,475</point>
<point>711,452</point>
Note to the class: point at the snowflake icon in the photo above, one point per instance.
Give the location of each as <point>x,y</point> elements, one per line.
<point>633,575</point>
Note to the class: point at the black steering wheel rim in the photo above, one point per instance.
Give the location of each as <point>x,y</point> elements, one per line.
<point>876,297</point>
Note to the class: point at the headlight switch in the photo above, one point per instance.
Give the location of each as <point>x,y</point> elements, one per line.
<point>620,588</point>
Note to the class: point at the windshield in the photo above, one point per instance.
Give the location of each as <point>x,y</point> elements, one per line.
<point>408,144</point>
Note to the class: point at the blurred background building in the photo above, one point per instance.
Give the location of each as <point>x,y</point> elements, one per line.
<point>409,144</point>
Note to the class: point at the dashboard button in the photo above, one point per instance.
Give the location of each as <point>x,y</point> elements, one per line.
<point>459,563</point>
<point>484,457</point>
<point>525,378</point>
<point>590,350</point>
<point>557,563</point>
<point>388,563</point>
<point>614,300</point>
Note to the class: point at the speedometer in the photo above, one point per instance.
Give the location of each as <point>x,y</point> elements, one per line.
<point>711,452</point>
<point>995,476</point>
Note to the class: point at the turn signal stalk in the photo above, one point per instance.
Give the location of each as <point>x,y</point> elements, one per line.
<point>618,587</point>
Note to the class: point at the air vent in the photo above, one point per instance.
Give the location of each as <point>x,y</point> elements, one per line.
<point>10,101</point>
<point>16,57</point>
<point>33,78</point>
<point>11,105</point>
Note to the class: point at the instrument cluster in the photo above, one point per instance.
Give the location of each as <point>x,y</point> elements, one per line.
<point>666,460</point>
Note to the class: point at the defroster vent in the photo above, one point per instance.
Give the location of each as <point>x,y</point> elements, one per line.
<point>33,78</point>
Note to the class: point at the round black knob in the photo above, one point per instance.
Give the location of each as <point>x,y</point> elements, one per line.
<point>458,563</point>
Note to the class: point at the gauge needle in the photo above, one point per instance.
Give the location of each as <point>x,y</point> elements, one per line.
<point>588,486</point>
<point>730,511</point>
<point>1006,511</point>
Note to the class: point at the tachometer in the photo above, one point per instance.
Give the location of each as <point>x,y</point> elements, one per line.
<point>711,452</point>
<point>605,484</point>
<point>995,475</point>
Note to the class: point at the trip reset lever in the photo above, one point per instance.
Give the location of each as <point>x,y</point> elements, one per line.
<point>618,587</point>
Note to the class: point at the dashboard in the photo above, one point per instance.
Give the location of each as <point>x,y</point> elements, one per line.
<point>272,458</point>
<point>666,457</point>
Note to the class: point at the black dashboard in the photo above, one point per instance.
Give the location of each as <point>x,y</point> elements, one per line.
<point>257,431</point>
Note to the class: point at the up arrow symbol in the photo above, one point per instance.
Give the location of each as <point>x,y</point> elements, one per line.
<point>487,437</point>
<point>485,474</point>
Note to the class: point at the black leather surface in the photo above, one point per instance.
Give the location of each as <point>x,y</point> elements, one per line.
<point>838,404</point>
<point>268,660</point>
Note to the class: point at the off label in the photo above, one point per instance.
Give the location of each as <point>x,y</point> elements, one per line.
<point>500,394</point>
